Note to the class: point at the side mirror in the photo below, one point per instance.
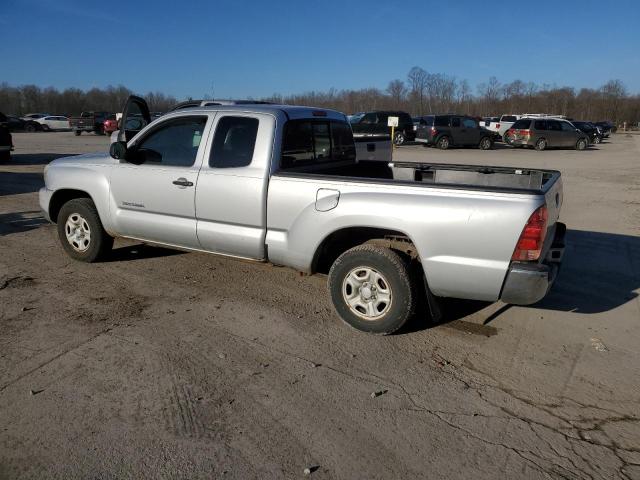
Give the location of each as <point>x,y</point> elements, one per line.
<point>118,150</point>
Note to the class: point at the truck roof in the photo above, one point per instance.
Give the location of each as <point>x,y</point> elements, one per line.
<point>290,111</point>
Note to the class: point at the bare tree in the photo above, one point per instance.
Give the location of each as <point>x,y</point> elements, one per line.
<point>397,91</point>
<point>417,79</point>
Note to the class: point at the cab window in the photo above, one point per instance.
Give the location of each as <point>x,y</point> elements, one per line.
<point>174,143</point>
<point>313,141</point>
<point>234,142</point>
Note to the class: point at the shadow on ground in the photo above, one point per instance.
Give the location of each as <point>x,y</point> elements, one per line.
<point>600,272</point>
<point>14,183</point>
<point>17,222</point>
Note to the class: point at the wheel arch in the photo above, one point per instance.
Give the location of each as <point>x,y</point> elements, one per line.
<point>62,196</point>
<point>339,241</point>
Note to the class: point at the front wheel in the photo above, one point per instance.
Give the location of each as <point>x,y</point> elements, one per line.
<point>485,144</point>
<point>80,231</point>
<point>30,128</point>
<point>597,140</point>
<point>399,138</point>
<point>581,144</point>
<point>371,289</point>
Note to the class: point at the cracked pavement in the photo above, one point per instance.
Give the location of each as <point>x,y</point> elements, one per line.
<point>163,364</point>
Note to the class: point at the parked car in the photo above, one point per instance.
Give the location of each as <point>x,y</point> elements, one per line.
<point>375,124</point>
<point>607,128</point>
<point>501,124</point>
<point>542,133</point>
<point>283,184</point>
<point>31,121</point>
<point>89,122</point>
<point>6,141</point>
<point>110,124</point>
<point>590,130</point>
<point>444,131</point>
<point>15,123</point>
<point>54,122</point>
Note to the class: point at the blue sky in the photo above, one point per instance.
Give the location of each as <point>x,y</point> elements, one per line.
<point>252,48</point>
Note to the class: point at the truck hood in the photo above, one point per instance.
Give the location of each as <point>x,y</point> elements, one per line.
<point>98,158</point>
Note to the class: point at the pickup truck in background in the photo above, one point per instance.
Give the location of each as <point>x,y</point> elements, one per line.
<point>6,140</point>
<point>282,184</point>
<point>89,122</point>
<point>502,124</point>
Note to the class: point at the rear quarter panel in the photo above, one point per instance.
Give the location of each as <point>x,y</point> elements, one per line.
<point>465,239</point>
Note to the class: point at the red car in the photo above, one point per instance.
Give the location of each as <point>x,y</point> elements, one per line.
<point>110,125</point>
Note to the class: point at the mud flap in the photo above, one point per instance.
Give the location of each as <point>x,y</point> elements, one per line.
<point>433,303</point>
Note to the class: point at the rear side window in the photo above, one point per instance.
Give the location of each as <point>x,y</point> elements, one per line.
<point>308,141</point>
<point>441,121</point>
<point>455,122</point>
<point>428,121</point>
<point>540,124</point>
<point>508,118</point>
<point>469,123</point>
<point>234,142</point>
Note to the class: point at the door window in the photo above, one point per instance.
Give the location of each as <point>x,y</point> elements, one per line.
<point>469,123</point>
<point>441,121</point>
<point>567,127</point>
<point>455,122</point>
<point>174,143</point>
<point>540,125</point>
<point>234,142</point>
<point>369,119</point>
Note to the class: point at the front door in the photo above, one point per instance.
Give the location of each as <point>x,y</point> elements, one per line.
<point>470,131</point>
<point>153,191</point>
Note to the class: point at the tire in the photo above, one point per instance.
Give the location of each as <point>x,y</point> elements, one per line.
<point>443,143</point>
<point>368,275</point>
<point>29,127</point>
<point>541,144</point>
<point>77,133</point>
<point>581,144</point>
<point>597,140</point>
<point>485,143</point>
<point>399,138</point>
<point>90,242</point>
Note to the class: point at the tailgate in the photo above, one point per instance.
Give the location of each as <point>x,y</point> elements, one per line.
<point>553,199</point>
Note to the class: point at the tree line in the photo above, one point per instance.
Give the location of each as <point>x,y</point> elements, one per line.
<point>420,93</point>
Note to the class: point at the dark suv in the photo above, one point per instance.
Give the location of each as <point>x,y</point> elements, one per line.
<point>375,124</point>
<point>6,143</point>
<point>445,131</point>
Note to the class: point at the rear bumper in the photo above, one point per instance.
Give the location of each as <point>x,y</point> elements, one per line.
<point>528,283</point>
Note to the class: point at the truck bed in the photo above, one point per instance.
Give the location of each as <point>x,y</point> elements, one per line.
<point>470,177</point>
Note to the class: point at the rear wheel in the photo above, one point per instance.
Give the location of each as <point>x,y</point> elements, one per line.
<point>399,138</point>
<point>581,144</point>
<point>597,140</point>
<point>371,289</point>
<point>80,231</point>
<point>443,143</point>
<point>30,127</point>
<point>485,144</point>
<point>541,144</point>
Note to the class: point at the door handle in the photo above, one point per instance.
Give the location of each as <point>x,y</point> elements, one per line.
<point>183,182</point>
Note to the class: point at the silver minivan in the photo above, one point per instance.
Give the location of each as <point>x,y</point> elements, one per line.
<point>541,133</point>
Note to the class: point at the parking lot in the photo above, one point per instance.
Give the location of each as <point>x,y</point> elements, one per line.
<point>165,364</point>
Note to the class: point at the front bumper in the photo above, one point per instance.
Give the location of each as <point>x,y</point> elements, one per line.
<point>44,198</point>
<point>528,283</point>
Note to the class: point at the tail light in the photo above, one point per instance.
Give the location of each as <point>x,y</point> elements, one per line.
<point>525,133</point>
<point>434,132</point>
<point>531,240</point>
<point>497,125</point>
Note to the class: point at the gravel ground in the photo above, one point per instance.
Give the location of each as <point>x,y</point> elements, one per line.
<point>163,364</point>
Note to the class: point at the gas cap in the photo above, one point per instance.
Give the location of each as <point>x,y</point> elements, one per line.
<point>327,199</point>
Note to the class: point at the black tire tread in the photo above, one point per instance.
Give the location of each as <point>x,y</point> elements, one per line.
<point>402,269</point>
<point>101,241</point>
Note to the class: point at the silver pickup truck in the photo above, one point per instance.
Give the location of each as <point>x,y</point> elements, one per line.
<point>283,184</point>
